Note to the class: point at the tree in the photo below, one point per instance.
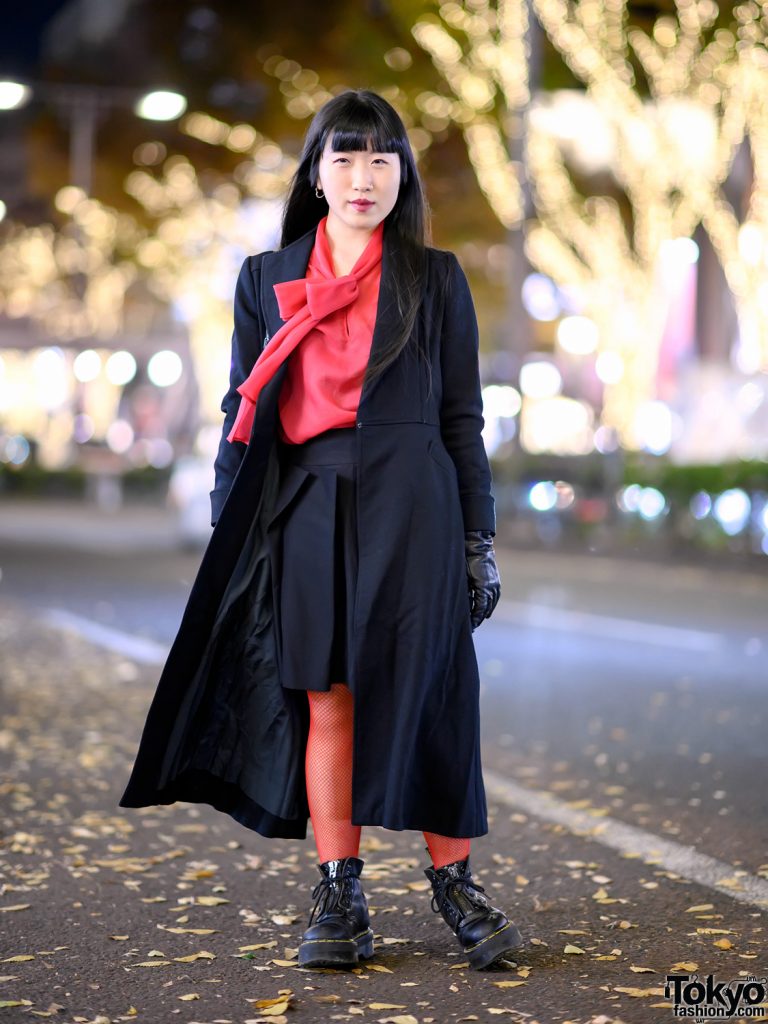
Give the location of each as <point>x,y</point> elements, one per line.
<point>688,73</point>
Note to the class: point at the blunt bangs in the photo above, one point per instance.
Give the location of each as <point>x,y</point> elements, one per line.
<point>348,138</point>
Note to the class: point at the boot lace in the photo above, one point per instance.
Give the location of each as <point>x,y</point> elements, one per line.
<point>330,894</point>
<point>443,885</point>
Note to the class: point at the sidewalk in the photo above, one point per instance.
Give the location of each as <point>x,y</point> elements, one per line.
<point>177,913</point>
<point>85,527</point>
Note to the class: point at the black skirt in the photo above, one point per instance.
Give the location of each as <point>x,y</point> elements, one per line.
<point>318,559</point>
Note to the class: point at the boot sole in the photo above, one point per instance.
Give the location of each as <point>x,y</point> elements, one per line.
<point>336,952</point>
<point>494,947</point>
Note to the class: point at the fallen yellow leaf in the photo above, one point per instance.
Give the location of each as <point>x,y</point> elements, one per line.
<point>187,931</point>
<point>281,1000</point>
<point>639,992</point>
<point>275,1011</point>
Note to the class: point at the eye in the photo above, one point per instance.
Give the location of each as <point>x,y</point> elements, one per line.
<point>379,160</point>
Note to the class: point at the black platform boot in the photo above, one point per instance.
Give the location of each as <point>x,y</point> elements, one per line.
<point>342,933</point>
<point>485,933</point>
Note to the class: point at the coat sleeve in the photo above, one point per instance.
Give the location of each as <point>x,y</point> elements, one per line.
<point>246,348</point>
<point>461,409</point>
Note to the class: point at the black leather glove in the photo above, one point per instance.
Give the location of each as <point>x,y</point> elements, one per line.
<point>482,575</point>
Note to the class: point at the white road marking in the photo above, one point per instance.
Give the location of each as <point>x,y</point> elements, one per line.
<point>138,648</point>
<point>631,630</point>
<point>682,860</point>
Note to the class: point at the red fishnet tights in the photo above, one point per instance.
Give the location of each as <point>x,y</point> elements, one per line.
<point>328,767</point>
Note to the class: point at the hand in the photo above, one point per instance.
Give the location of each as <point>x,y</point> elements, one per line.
<point>482,575</point>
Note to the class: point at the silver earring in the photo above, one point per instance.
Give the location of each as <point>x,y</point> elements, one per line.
<point>319,194</point>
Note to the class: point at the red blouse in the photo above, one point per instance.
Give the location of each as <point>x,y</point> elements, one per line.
<point>324,376</point>
<point>328,328</point>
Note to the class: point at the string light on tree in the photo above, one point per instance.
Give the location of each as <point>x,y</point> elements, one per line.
<point>670,156</point>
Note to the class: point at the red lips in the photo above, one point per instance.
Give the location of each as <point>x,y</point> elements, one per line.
<point>361,203</point>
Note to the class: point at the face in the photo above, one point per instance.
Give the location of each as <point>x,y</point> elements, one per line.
<point>345,177</point>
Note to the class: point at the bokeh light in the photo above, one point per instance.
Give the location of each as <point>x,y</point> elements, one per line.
<point>87,365</point>
<point>577,335</point>
<point>164,368</point>
<point>121,367</point>
<point>13,94</point>
<point>161,105</point>
<point>540,378</point>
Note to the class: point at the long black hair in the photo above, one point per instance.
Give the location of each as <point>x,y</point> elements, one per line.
<point>358,118</point>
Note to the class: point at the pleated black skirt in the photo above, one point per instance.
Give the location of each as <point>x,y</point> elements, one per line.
<point>318,558</point>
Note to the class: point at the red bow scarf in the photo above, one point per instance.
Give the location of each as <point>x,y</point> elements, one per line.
<point>304,303</point>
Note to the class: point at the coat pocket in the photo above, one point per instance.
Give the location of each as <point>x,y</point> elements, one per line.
<point>437,450</point>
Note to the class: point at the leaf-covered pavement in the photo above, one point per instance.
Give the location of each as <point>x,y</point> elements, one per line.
<point>178,913</point>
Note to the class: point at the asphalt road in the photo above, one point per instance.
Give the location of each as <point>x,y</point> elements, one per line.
<point>625,750</point>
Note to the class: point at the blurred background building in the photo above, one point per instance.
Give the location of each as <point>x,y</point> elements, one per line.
<point>601,170</point>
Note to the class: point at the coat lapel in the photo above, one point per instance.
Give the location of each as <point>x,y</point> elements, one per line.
<point>290,263</point>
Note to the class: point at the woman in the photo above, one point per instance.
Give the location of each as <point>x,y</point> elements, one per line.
<point>324,667</point>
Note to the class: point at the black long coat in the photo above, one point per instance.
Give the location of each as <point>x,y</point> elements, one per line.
<point>221,729</point>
